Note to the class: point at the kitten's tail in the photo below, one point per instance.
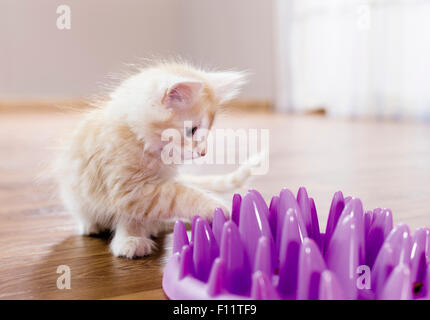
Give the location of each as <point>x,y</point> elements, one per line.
<point>227,182</point>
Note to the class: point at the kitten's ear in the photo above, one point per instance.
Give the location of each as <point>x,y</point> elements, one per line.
<point>226,84</point>
<point>182,94</point>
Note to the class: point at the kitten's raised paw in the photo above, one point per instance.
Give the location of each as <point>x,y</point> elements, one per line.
<point>132,247</point>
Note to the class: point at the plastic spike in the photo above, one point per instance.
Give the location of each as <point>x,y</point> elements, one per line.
<point>367,221</point>
<point>330,288</point>
<point>343,252</point>
<point>396,250</point>
<point>428,246</point>
<point>180,237</point>
<point>398,286</point>
<point>217,277</point>
<point>382,268</point>
<point>399,238</point>
<point>233,254</point>
<point>316,235</point>
<point>235,211</point>
<point>289,254</point>
<point>186,266</point>
<point>273,215</point>
<point>260,203</point>
<point>205,249</point>
<point>305,209</point>
<point>425,290</point>
<point>279,230</point>
<point>263,258</point>
<point>354,208</point>
<point>253,224</point>
<point>336,208</point>
<point>217,224</point>
<point>375,212</point>
<point>418,255</point>
<point>382,224</point>
<point>262,287</point>
<point>193,227</point>
<point>288,201</point>
<point>386,220</point>
<point>311,265</point>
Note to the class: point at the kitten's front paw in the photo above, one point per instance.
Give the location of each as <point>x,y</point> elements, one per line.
<point>132,247</point>
<point>88,229</point>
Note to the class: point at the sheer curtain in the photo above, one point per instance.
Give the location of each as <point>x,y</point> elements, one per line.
<point>354,58</point>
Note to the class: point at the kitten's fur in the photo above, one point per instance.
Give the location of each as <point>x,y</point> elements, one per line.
<point>111,176</point>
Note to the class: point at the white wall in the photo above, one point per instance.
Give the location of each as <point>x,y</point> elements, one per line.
<point>233,34</point>
<point>37,60</point>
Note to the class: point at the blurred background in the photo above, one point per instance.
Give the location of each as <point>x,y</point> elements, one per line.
<point>356,58</point>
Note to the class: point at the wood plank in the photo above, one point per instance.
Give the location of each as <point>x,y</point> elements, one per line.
<point>384,163</point>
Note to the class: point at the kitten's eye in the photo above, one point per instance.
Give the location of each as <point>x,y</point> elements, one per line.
<point>191,131</point>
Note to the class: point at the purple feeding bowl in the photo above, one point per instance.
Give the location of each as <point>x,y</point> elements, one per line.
<point>278,252</point>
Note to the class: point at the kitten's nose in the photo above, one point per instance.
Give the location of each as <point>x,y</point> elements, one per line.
<point>203,153</point>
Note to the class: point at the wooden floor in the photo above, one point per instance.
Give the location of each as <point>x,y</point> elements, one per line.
<point>385,164</point>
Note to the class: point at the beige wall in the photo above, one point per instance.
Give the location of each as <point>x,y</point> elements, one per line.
<point>38,60</point>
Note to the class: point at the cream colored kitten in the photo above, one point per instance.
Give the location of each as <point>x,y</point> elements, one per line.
<point>111,175</point>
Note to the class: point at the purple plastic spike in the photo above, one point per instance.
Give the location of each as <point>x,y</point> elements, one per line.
<point>367,221</point>
<point>330,288</point>
<point>383,266</point>
<point>180,237</point>
<point>305,209</point>
<point>428,245</point>
<point>289,254</point>
<point>186,262</point>
<point>216,285</point>
<point>262,287</point>
<point>234,255</point>
<point>275,253</point>
<point>217,224</point>
<point>343,254</point>
<point>288,201</point>
<point>311,265</point>
<point>193,227</point>
<point>418,255</point>
<point>336,208</point>
<point>253,223</point>
<point>263,259</point>
<point>400,239</point>
<point>260,203</point>
<point>205,249</point>
<point>235,211</point>
<point>424,293</point>
<point>273,215</point>
<point>316,235</point>
<point>398,286</point>
<point>382,224</point>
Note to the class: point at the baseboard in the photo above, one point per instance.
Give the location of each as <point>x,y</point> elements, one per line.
<point>70,105</point>
<point>42,105</point>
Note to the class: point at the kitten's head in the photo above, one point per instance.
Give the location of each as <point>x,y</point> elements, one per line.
<point>175,103</point>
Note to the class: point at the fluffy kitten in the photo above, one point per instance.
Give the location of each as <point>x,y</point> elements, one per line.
<point>111,175</point>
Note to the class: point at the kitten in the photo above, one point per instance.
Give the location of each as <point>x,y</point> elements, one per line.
<point>111,175</point>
